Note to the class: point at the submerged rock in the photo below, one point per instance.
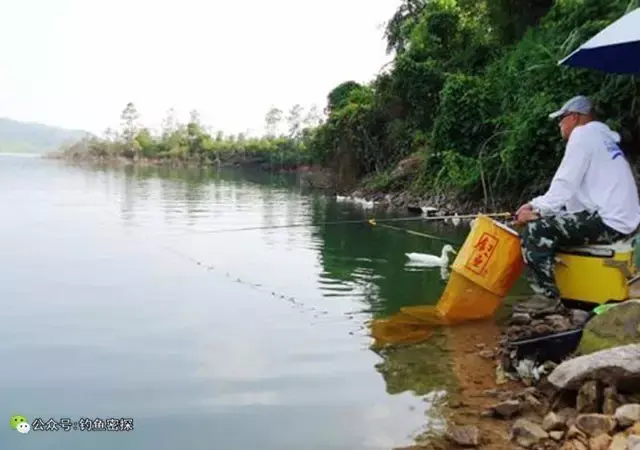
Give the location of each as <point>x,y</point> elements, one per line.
<point>619,325</point>
<point>613,366</point>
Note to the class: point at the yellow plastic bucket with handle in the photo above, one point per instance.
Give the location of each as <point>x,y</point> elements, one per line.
<point>464,300</point>
<point>485,269</point>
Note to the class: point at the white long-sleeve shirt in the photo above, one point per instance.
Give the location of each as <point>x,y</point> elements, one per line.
<point>593,176</point>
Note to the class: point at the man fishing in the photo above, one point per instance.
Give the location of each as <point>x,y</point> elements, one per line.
<point>592,199</point>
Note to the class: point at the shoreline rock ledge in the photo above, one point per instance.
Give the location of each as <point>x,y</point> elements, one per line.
<point>616,366</point>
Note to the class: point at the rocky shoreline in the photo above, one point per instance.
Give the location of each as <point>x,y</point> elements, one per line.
<point>437,205</point>
<point>581,399</point>
<point>314,177</point>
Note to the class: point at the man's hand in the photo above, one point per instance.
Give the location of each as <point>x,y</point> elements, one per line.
<point>524,207</point>
<point>525,214</point>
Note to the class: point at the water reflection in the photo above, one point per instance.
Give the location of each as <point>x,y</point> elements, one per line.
<point>295,350</point>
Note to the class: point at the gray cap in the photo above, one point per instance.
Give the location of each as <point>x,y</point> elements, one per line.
<point>578,104</point>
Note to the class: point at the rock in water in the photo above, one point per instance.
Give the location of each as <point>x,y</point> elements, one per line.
<point>617,326</point>
<point>466,436</point>
<point>526,433</point>
<point>627,415</point>
<point>612,366</point>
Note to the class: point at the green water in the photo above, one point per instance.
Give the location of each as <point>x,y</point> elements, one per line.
<point>120,302</point>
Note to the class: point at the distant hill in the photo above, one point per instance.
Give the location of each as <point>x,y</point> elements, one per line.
<point>27,137</point>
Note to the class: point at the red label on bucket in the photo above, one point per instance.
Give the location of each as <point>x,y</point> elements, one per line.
<point>482,252</point>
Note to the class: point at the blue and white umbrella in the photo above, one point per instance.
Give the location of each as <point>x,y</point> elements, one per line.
<point>616,49</point>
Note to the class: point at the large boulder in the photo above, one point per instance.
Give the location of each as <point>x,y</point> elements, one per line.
<point>615,366</point>
<point>619,325</point>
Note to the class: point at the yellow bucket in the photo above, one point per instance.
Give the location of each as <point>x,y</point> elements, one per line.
<point>464,300</point>
<point>491,256</point>
<point>486,268</point>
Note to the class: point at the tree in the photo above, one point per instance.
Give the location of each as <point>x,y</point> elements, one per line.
<point>194,117</point>
<point>129,119</point>
<point>313,117</point>
<point>111,135</point>
<point>272,119</point>
<point>146,142</point>
<point>169,123</point>
<point>295,120</point>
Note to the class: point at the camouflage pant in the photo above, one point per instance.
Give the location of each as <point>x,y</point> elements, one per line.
<point>541,238</point>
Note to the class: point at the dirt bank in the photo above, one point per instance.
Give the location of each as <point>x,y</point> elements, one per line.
<point>470,347</point>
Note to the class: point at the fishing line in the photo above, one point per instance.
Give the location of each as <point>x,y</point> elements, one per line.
<point>291,299</point>
<point>357,221</point>
<point>374,223</point>
<point>210,268</point>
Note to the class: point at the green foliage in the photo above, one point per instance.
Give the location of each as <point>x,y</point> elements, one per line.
<point>190,143</point>
<point>381,182</point>
<point>465,115</point>
<point>529,85</point>
<point>338,98</point>
<point>513,17</point>
<point>471,87</point>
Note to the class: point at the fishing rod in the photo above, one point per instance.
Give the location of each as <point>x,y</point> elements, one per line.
<point>374,223</point>
<point>359,221</point>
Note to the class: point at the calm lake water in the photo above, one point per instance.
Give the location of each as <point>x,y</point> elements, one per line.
<point>120,301</point>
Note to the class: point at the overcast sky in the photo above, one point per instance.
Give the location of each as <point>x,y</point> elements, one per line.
<point>76,63</point>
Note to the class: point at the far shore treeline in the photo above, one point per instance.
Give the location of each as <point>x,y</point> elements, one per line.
<point>463,105</point>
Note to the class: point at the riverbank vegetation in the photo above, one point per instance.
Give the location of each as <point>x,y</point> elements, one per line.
<point>464,103</point>
<point>192,143</point>
<point>469,93</point>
